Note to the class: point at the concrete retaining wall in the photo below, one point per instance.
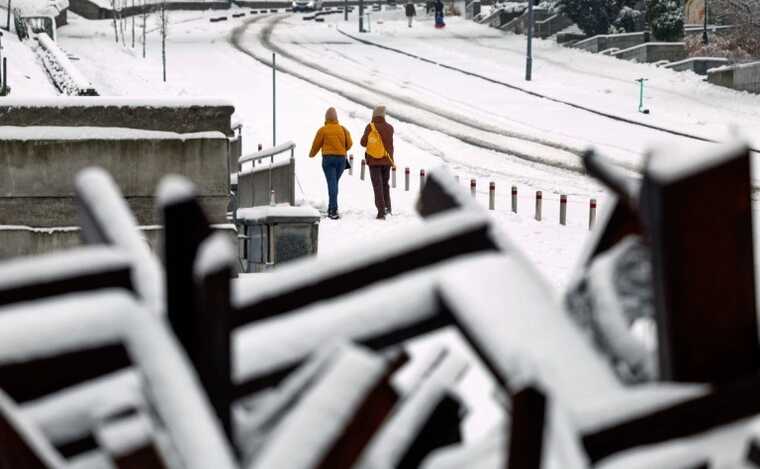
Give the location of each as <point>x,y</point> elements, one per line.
<point>18,241</point>
<point>92,11</point>
<point>698,65</point>
<point>742,77</point>
<point>608,41</point>
<point>519,23</point>
<point>171,115</point>
<point>36,185</point>
<point>654,52</point>
<point>552,25</point>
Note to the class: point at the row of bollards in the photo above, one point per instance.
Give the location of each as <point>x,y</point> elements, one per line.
<point>538,214</point>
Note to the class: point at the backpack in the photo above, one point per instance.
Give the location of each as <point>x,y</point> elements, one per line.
<point>375,147</point>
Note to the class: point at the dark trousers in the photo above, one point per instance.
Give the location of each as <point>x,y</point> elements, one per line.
<point>380,176</point>
<point>333,167</point>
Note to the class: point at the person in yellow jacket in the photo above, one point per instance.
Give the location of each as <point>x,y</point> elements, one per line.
<point>334,141</point>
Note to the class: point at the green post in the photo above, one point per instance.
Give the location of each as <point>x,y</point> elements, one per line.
<point>641,96</point>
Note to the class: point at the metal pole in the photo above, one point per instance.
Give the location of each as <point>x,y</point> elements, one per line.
<point>393,177</point>
<point>406,179</point>
<point>563,210</point>
<point>145,16</point>
<point>8,20</point>
<point>274,102</point>
<point>538,205</point>
<point>364,165</point>
<point>133,24</point>
<point>529,58</point>
<point>705,39</point>
<point>345,10</point>
<point>514,199</point>
<point>473,187</point>
<point>361,16</point>
<point>422,179</point>
<point>591,213</point>
<point>5,76</point>
<point>351,165</point>
<point>492,196</point>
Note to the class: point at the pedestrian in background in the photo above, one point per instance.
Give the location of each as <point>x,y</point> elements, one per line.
<point>411,12</point>
<point>334,141</point>
<point>378,140</point>
<point>439,14</point>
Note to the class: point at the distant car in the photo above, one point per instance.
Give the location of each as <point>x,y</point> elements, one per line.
<point>307,5</point>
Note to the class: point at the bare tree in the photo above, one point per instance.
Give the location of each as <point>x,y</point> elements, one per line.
<point>114,17</point>
<point>163,28</point>
<point>740,42</point>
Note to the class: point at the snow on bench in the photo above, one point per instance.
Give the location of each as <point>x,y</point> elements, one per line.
<point>74,270</point>
<point>420,423</point>
<point>51,355</point>
<point>335,417</point>
<point>303,282</point>
<point>107,219</point>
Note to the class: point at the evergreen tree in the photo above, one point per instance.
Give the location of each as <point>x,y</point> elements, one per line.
<point>600,16</point>
<point>665,18</point>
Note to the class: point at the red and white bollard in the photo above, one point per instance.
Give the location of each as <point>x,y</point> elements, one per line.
<point>364,165</point>
<point>538,205</point>
<point>514,199</point>
<point>422,179</point>
<point>591,213</point>
<point>350,165</point>
<point>563,209</point>
<point>393,177</point>
<point>492,196</point>
<point>473,187</point>
<point>406,179</point>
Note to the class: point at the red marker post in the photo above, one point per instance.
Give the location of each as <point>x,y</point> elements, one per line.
<point>406,179</point>
<point>514,199</point>
<point>591,213</point>
<point>473,187</point>
<point>563,209</point>
<point>492,195</point>
<point>538,205</point>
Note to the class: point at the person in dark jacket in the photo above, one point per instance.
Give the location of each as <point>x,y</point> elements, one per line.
<point>439,14</point>
<point>411,12</point>
<point>380,168</point>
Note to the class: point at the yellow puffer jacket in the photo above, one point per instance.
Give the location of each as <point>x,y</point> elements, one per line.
<point>333,139</point>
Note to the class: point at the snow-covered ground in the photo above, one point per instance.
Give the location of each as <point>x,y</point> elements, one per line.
<point>477,128</point>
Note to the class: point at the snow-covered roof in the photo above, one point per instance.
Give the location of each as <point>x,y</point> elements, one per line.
<point>270,212</point>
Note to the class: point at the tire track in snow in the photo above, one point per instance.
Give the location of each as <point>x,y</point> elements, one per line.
<point>535,93</point>
<point>574,165</point>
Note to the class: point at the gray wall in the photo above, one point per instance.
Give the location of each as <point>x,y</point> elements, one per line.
<point>744,77</point>
<point>36,185</point>
<point>608,41</point>
<point>22,241</point>
<point>104,112</point>
<point>253,187</point>
<point>698,65</point>
<point>91,11</point>
<point>654,52</point>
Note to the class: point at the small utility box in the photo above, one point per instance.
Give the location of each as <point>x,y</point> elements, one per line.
<point>277,234</point>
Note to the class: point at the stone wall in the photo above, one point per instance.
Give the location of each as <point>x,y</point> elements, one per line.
<point>26,241</point>
<point>171,115</point>
<point>36,185</point>
<point>92,11</point>
<point>654,52</point>
<point>608,41</point>
<point>698,65</point>
<point>742,77</point>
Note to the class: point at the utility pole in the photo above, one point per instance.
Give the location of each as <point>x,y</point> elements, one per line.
<point>8,20</point>
<point>529,58</point>
<point>274,101</point>
<point>345,10</point>
<point>133,23</point>
<point>361,16</point>
<point>705,40</point>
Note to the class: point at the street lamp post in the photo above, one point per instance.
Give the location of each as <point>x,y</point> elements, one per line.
<point>529,58</point>
<point>705,40</point>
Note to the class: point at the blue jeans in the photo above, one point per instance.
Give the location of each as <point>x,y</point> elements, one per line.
<point>333,167</point>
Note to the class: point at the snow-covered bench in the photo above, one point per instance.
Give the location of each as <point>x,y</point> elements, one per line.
<point>65,371</point>
<point>71,271</point>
